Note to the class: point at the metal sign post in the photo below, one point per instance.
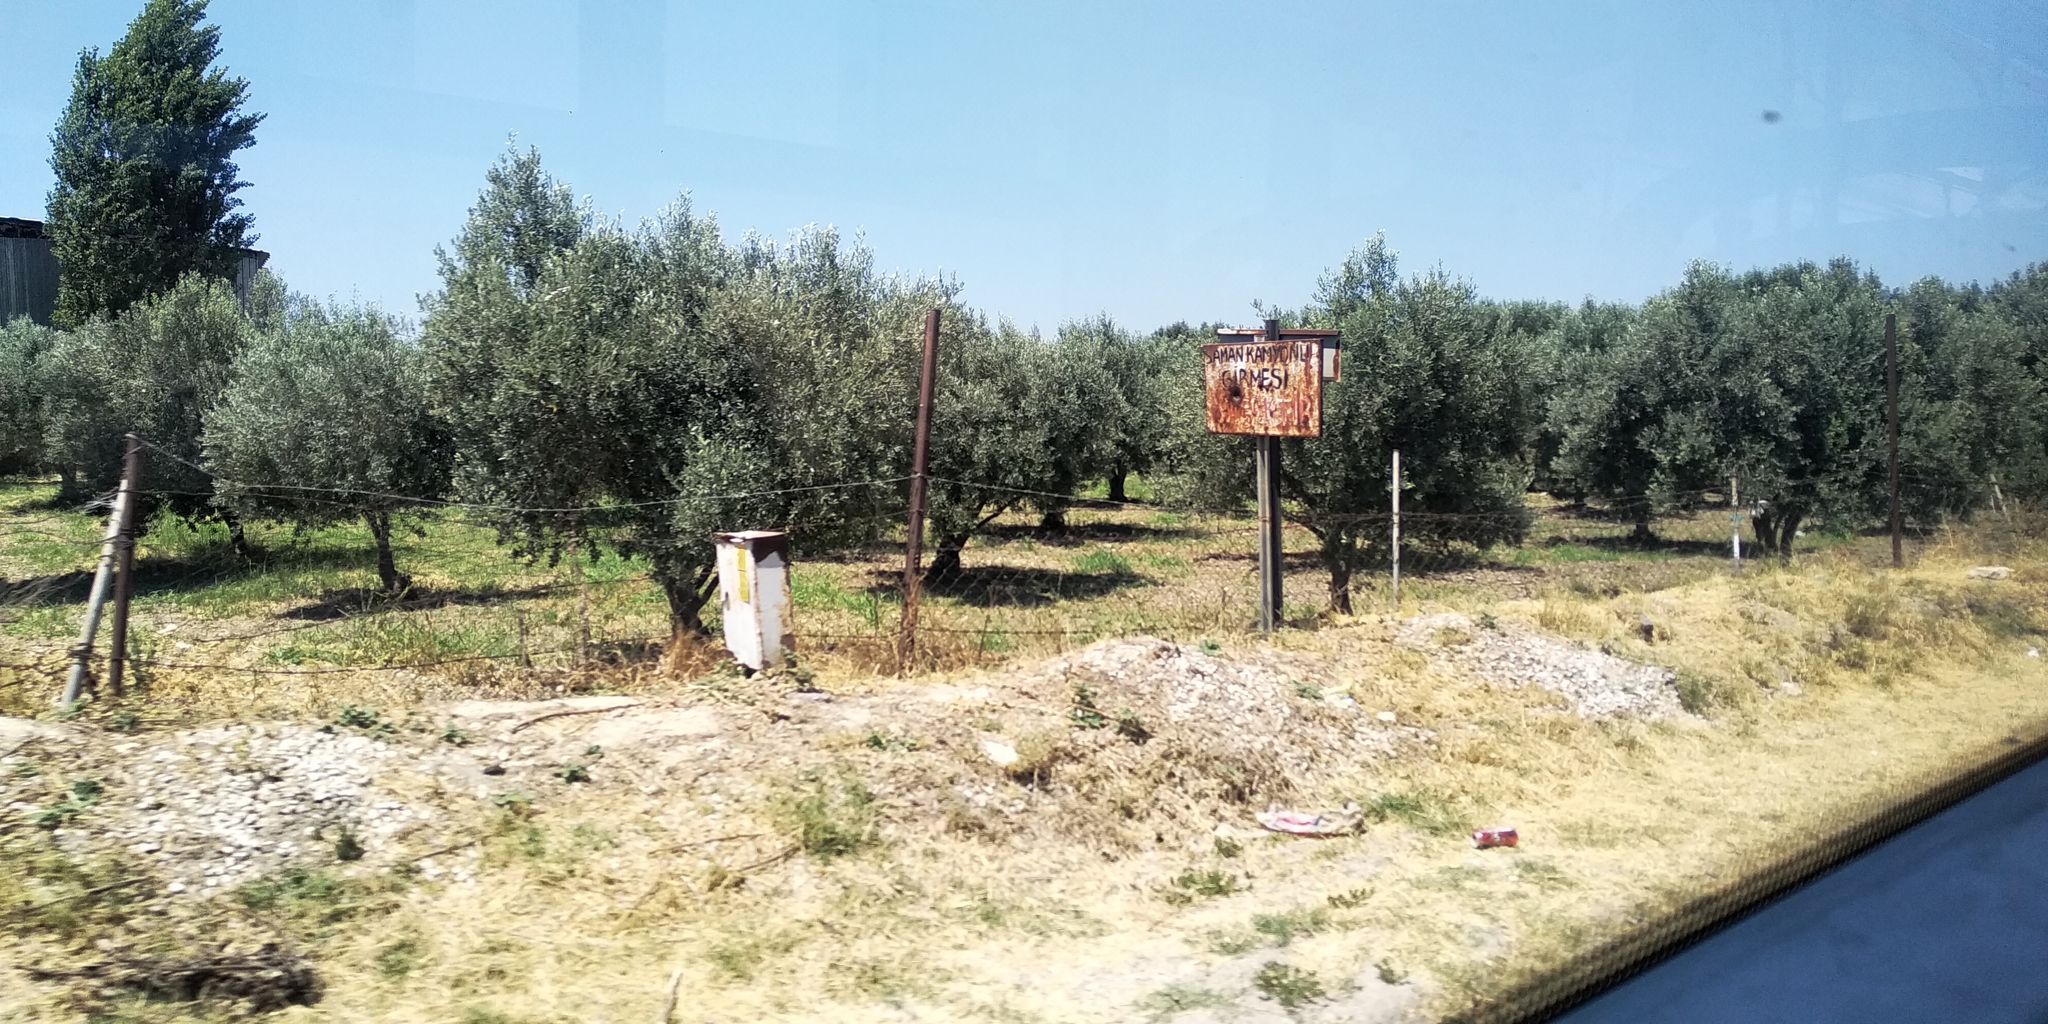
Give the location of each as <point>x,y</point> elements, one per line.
<point>1268,383</point>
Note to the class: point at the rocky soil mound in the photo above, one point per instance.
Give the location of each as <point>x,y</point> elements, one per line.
<point>1596,684</point>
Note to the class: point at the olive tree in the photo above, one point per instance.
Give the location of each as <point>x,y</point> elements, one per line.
<point>327,420</point>
<point>24,364</point>
<point>154,371</point>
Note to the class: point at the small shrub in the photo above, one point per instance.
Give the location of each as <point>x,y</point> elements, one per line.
<point>1210,647</point>
<point>125,721</point>
<point>1287,985</point>
<point>1697,694</point>
<point>1228,847</point>
<point>1389,973</point>
<point>1307,692</point>
<point>832,820</point>
<point>455,736</point>
<point>1488,622</point>
<point>573,772</point>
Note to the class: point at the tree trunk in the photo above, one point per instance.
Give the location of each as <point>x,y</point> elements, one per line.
<point>237,539</point>
<point>945,560</point>
<point>1054,520</point>
<point>1340,551</point>
<point>388,576</point>
<point>67,480</point>
<point>1638,510</point>
<point>686,601</point>
<point>1766,528</point>
<point>1117,474</point>
<point>1788,528</point>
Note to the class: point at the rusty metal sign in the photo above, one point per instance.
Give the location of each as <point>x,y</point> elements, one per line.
<point>1265,388</point>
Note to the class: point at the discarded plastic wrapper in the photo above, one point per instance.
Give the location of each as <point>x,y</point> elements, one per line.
<point>1485,837</point>
<point>1301,823</point>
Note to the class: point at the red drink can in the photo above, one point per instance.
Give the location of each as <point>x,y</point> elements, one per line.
<point>1485,837</point>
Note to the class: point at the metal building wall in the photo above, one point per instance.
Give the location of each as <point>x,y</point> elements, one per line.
<point>28,279</point>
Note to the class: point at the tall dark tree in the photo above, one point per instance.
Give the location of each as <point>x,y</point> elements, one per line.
<point>146,179</point>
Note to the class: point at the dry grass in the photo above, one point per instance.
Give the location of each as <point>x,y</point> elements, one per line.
<point>913,898</point>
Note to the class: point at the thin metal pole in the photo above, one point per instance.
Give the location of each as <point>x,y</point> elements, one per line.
<point>124,581</point>
<point>1735,520</point>
<point>913,545</point>
<point>1394,534</point>
<point>1271,585</point>
<point>1891,390</point>
<point>81,652</point>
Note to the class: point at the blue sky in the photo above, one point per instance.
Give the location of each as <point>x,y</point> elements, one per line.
<point>1153,161</point>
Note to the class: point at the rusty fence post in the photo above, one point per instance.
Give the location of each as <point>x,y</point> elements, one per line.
<point>102,577</point>
<point>1267,478</point>
<point>913,545</point>
<point>124,579</point>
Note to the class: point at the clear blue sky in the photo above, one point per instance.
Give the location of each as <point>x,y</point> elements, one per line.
<point>1156,161</point>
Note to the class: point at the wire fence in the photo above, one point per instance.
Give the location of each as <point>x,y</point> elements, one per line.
<point>1039,573</point>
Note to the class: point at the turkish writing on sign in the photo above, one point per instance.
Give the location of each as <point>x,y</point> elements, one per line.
<point>1272,388</point>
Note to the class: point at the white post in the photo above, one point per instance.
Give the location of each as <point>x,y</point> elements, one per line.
<point>1735,520</point>
<point>81,652</point>
<point>1395,533</point>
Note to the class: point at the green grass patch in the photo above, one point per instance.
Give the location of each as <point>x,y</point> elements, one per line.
<point>1103,560</point>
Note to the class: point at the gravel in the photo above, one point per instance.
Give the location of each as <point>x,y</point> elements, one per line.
<point>1595,683</point>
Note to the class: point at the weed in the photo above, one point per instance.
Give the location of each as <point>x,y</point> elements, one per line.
<point>1307,692</point>
<point>1285,928</point>
<point>593,751</point>
<point>399,958</point>
<point>25,770</point>
<point>831,820</point>
<point>1351,900</point>
<point>1184,889</point>
<point>533,842</point>
<point>515,803</point>
<point>1488,622</point>
<point>1129,727</point>
<point>1103,560</point>
<point>1174,1000</point>
<point>1228,847</point>
<point>455,736</point>
<point>125,721</point>
<point>84,793</point>
<point>1210,647</point>
<point>890,744</point>
<point>1287,985</point>
<point>1234,943</point>
<point>1084,712</point>
<point>346,846</point>
<point>1389,973</point>
<point>573,772</point>
<point>1451,636</point>
<point>1696,693</point>
<point>364,719</point>
<point>1425,811</point>
<point>311,897</point>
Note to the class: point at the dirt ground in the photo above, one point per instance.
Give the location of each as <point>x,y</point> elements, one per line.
<point>1066,839</point>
